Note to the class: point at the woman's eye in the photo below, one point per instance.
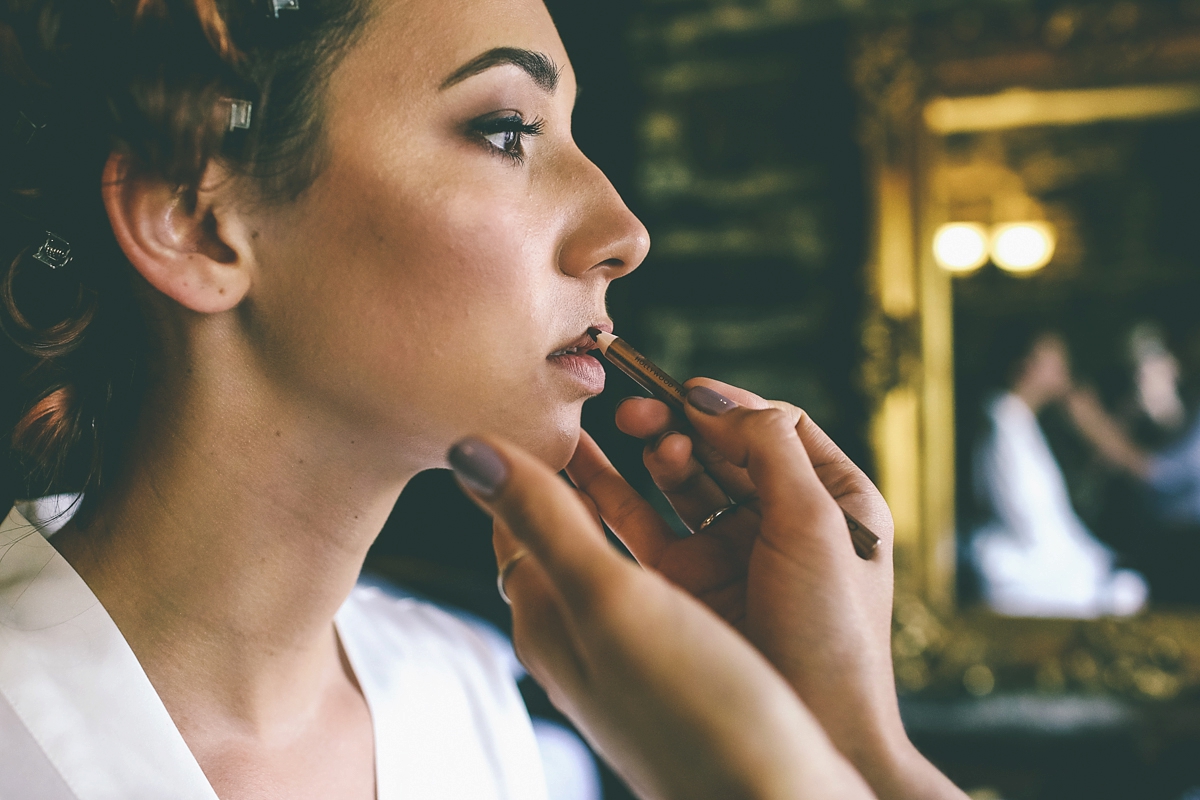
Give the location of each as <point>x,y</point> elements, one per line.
<point>508,141</point>
<point>505,135</point>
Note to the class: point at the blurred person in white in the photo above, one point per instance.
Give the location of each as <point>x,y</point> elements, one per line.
<point>1034,555</point>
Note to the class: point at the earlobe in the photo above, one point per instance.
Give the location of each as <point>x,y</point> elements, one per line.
<point>183,242</point>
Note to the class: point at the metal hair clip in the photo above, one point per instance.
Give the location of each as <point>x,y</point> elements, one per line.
<point>26,128</point>
<point>239,114</point>
<point>55,252</point>
<point>284,5</point>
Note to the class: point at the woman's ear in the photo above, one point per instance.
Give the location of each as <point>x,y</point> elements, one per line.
<point>189,245</point>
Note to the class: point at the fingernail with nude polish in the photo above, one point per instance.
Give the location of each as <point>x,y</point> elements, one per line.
<point>478,466</point>
<point>712,403</point>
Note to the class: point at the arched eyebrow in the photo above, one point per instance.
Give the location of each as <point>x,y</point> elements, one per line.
<point>539,66</point>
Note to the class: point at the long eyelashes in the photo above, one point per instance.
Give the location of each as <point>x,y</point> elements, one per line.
<point>505,135</point>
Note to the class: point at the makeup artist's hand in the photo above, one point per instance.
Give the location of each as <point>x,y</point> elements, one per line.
<point>781,566</point>
<point>673,697</point>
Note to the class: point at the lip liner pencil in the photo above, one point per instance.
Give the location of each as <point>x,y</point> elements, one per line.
<point>651,377</point>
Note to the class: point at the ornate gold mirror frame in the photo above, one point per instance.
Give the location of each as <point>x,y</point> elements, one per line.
<point>917,82</point>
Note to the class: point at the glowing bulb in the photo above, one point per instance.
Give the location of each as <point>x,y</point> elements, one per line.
<point>960,246</point>
<point>1022,246</point>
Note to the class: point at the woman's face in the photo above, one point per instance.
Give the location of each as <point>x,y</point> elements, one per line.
<point>455,239</point>
<point>1048,368</point>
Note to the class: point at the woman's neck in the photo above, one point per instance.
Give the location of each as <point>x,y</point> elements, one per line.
<point>228,543</point>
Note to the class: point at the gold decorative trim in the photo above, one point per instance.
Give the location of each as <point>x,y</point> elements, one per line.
<point>1019,108</point>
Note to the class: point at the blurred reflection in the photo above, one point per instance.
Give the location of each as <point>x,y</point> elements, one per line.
<point>1034,555</point>
<point>1060,488</point>
<point>1156,377</point>
<point>1171,474</point>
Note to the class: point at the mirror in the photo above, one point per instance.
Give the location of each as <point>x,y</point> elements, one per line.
<point>1077,345</point>
<point>1033,347</point>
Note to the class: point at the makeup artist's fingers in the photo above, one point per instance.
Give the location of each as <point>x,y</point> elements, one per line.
<point>546,516</point>
<point>696,496</point>
<point>743,397</point>
<point>649,418</point>
<point>702,566</point>
<point>635,522</point>
<point>542,639</point>
<point>646,418</point>
<point>730,477</point>
<point>691,474</point>
<point>694,479</point>
<point>848,484</point>
<point>841,476</point>
<point>681,704</point>
<point>682,479</point>
<point>652,420</point>
<point>765,444</point>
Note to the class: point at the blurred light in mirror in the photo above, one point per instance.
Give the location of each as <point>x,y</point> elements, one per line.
<point>1022,246</point>
<point>960,246</point>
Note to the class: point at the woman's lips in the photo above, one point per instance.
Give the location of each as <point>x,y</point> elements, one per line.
<point>581,368</point>
<point>573,359</point>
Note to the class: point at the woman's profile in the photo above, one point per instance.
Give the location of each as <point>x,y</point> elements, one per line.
<point>263,262</point>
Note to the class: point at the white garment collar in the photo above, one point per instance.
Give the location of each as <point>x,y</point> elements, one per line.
<point>71,678</point>
<point>448,720</point>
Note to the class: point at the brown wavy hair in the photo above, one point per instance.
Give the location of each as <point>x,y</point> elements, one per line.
<point>152,79</point>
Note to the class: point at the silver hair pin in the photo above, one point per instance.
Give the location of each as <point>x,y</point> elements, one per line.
<point>55,252</point>
<point>284,5</point>
<point>239,114</point>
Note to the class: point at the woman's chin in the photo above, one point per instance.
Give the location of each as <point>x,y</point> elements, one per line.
<point>554,446</point>
<point>552,439</point>
<point>558,454</point>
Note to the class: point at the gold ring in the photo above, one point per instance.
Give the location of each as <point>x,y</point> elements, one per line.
<point>505,570</point>
<point>716,515</point>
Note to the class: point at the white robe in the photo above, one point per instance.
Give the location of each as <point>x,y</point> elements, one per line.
<point>1036,557</point>
<point>79,719</point>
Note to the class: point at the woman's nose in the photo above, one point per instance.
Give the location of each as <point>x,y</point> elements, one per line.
<point>605,236</point>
